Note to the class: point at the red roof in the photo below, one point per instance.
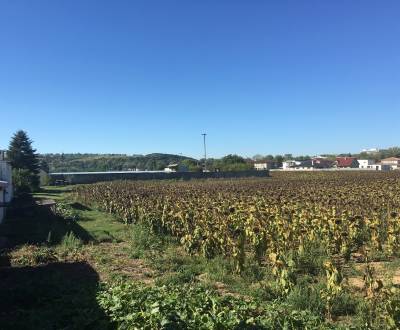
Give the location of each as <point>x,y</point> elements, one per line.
<point>345,161</point>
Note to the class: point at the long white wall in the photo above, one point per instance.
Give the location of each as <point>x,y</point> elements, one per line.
<point>6,175</point>
<point>6,194</point>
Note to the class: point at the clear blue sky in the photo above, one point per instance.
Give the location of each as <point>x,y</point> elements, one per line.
<point>151,76</point>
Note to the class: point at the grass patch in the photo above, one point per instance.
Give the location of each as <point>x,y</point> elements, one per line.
<point>71,242</point>
<point>103,227</point>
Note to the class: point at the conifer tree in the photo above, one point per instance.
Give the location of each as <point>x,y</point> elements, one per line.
<point>23,157</point>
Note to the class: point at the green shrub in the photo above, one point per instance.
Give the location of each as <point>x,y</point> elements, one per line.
<point>23,181</point>
<point>65,211</point>
<point>311,259</point>
<point>306,297</point>
<point>144,241</point>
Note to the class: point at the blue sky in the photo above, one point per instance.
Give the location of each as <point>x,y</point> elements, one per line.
<point>151,76</point>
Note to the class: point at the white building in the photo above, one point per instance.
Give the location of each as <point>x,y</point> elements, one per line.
<point>6,188</point>
<point>289,164</point>
<point>176,168</point>
<point>394,162</point>
<point>369,164</point>
<point>366,163</point>
<point>297,165</point>
<point>263,165</point>
<point>381,167</point>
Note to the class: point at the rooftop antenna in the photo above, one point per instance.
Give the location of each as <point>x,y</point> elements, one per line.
<point>205,151</point>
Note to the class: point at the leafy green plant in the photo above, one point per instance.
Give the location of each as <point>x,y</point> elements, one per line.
<point>283,269</point>
<point>65,211</point>
<point>143,241</point>
<point>135,306</point>
<point>333,287</point>
<point>305,296</point>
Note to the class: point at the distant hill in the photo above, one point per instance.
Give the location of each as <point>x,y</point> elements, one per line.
<point>109,162</point>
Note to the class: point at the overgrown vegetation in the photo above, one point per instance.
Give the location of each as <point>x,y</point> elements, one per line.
<point>343,212</point>
<point>140,272</point>
<point>231,237</point>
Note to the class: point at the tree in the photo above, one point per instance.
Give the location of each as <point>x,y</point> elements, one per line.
<point>278,159</point>
<point>192,165</point>
<point>44,166</point>
<point>232,163</point>
<point>23,157</point>
<point>258,157</point>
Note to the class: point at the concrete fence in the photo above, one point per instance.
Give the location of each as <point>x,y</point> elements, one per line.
<point>92,177</point>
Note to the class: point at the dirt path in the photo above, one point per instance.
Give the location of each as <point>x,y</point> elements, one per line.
<point>387,272</point>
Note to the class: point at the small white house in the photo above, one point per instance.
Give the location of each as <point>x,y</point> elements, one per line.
<point>297,165</point>
<point>290,164</point>
<point>6,187</point>
<point>366,163</point>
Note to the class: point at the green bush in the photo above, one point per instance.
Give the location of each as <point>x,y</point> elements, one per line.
<point>144,241</point>
<point>65,211</point>
<point>23,181</point>
<point>306,297</point>
<point>311,259</point>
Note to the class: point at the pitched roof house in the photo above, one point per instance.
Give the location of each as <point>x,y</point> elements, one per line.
<point>347,162</point>
<point>394,162</point>
<point>321,162</point>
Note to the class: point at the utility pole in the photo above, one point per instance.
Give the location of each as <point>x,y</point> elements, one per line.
<point>205,152</point>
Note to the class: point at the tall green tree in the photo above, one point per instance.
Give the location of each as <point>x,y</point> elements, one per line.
<point>23,157</point>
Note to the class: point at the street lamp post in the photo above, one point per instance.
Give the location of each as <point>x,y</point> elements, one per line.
<point>205,152</point>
